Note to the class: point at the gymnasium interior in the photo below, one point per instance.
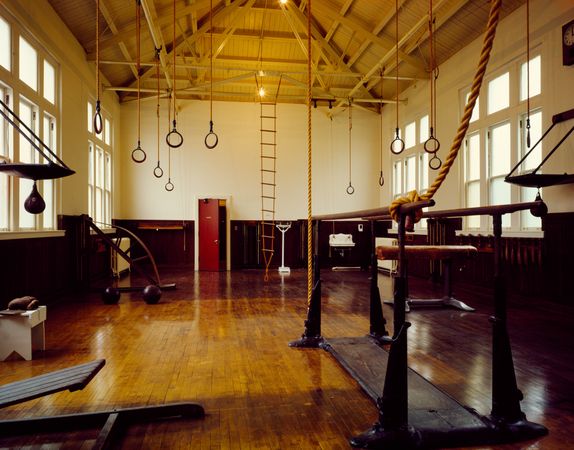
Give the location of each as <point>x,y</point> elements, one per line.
<point>286,224</point>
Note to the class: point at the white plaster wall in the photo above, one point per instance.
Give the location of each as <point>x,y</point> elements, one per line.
<point>232,168</point>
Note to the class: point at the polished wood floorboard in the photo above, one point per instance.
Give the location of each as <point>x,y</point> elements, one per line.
<point>220,339</point>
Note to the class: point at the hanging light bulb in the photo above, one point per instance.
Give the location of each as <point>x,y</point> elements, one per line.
<point>35,204</point>
<point>261,91</point>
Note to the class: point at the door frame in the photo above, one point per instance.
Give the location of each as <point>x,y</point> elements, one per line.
<point>196,200</point>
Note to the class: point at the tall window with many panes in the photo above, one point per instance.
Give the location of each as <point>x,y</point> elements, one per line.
<point>99,168</point>
<point>29,86</point>
<point>497,139</point>
<point>411,167</point>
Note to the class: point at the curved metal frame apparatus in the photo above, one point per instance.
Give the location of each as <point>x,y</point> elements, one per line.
<point>98,122</point>
<point>538,180</point>
<point>34,204</point>
<point>153,279</point>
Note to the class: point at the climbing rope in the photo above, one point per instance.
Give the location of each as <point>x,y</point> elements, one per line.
<point>465,120</point>
<point>309,164</point>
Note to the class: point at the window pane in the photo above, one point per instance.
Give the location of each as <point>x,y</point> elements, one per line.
<point>535,79</point>
<point>535,157</point>
<point>473,200</point>
<point>108,170</point>
<point>410,174</point>
<point>473,157</point>
<point>90,117</point>
<point>90,164</point>
<point>397,178</point>
<point>99,168</point>
<point>5,45</point>
<point>26,220</point>
<point>423,171</point>
<point>99,212</point>
<point>500,195</point>
<point>499,93</point>
<point>424,129</point>
<point>476,110</point>
<point>107,131</point>
<point>4,223</point>
<point>28,64</point>
<point>90,201</point>
<point>410,134</point>
<point>49,82</point>
<point>500,150</point>
<point>48,195</point>
<point>27,153</point>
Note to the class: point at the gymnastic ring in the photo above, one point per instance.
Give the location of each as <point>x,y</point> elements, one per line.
<point>400,142</point>
<point>136,152</point>
<point>435,166</point>
<point>381,179</point>
<point>434,142</point>
<point>177,135</point>
<point>350,189</point>
<point>207,137</point>
<point>210,146</point>
<point>158,171</point>
<point>169,186</point>
<point>98,123</point>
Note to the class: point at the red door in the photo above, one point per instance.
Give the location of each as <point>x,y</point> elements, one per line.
<point>209,241</point>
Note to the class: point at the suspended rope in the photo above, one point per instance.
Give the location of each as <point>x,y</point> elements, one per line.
<point>309,164</point>
<point>350,188</point>
<point>381,177</point>
<point>528,73</point>
<point>138,154</point>
<point>157,171</point>
<point>174,138</point>
<point>397,145</point>
<point>211,139</point>
<point>98,123</point>
<point>432,144</point>
<point>169,185</point>
<point>465,120</point>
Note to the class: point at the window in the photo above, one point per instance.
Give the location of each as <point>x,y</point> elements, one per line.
<point>472,176</point>
<point>410,134</point>
<point>496,140</point>
<point>29,85</point>
<point>99,169</point>
<point>28,64</point>
<point>49,82</point>
<point>535,79</point>
<point>5,45</point>
<point>499,166</point>
<point>499,93</point>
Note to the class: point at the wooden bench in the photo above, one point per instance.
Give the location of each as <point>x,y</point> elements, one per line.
<point>72,378</point>
<point>446,253</point>
<point>76,378</point>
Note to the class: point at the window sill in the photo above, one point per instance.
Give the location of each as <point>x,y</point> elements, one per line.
<point>32,234</point>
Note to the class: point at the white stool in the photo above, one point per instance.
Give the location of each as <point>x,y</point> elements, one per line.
<point>22,333</point>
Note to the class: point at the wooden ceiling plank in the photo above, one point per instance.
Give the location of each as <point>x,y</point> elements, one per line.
<point>150,14</point>
<point>232,27</point>
<point>343,11</point>
<point>302,44</point>
<point>114,29</point>
<point>383,42</point>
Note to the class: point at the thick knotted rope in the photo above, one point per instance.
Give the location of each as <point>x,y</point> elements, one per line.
<point>465,120</point>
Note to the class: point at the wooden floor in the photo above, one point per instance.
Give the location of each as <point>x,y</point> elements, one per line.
<point>220,339</point>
